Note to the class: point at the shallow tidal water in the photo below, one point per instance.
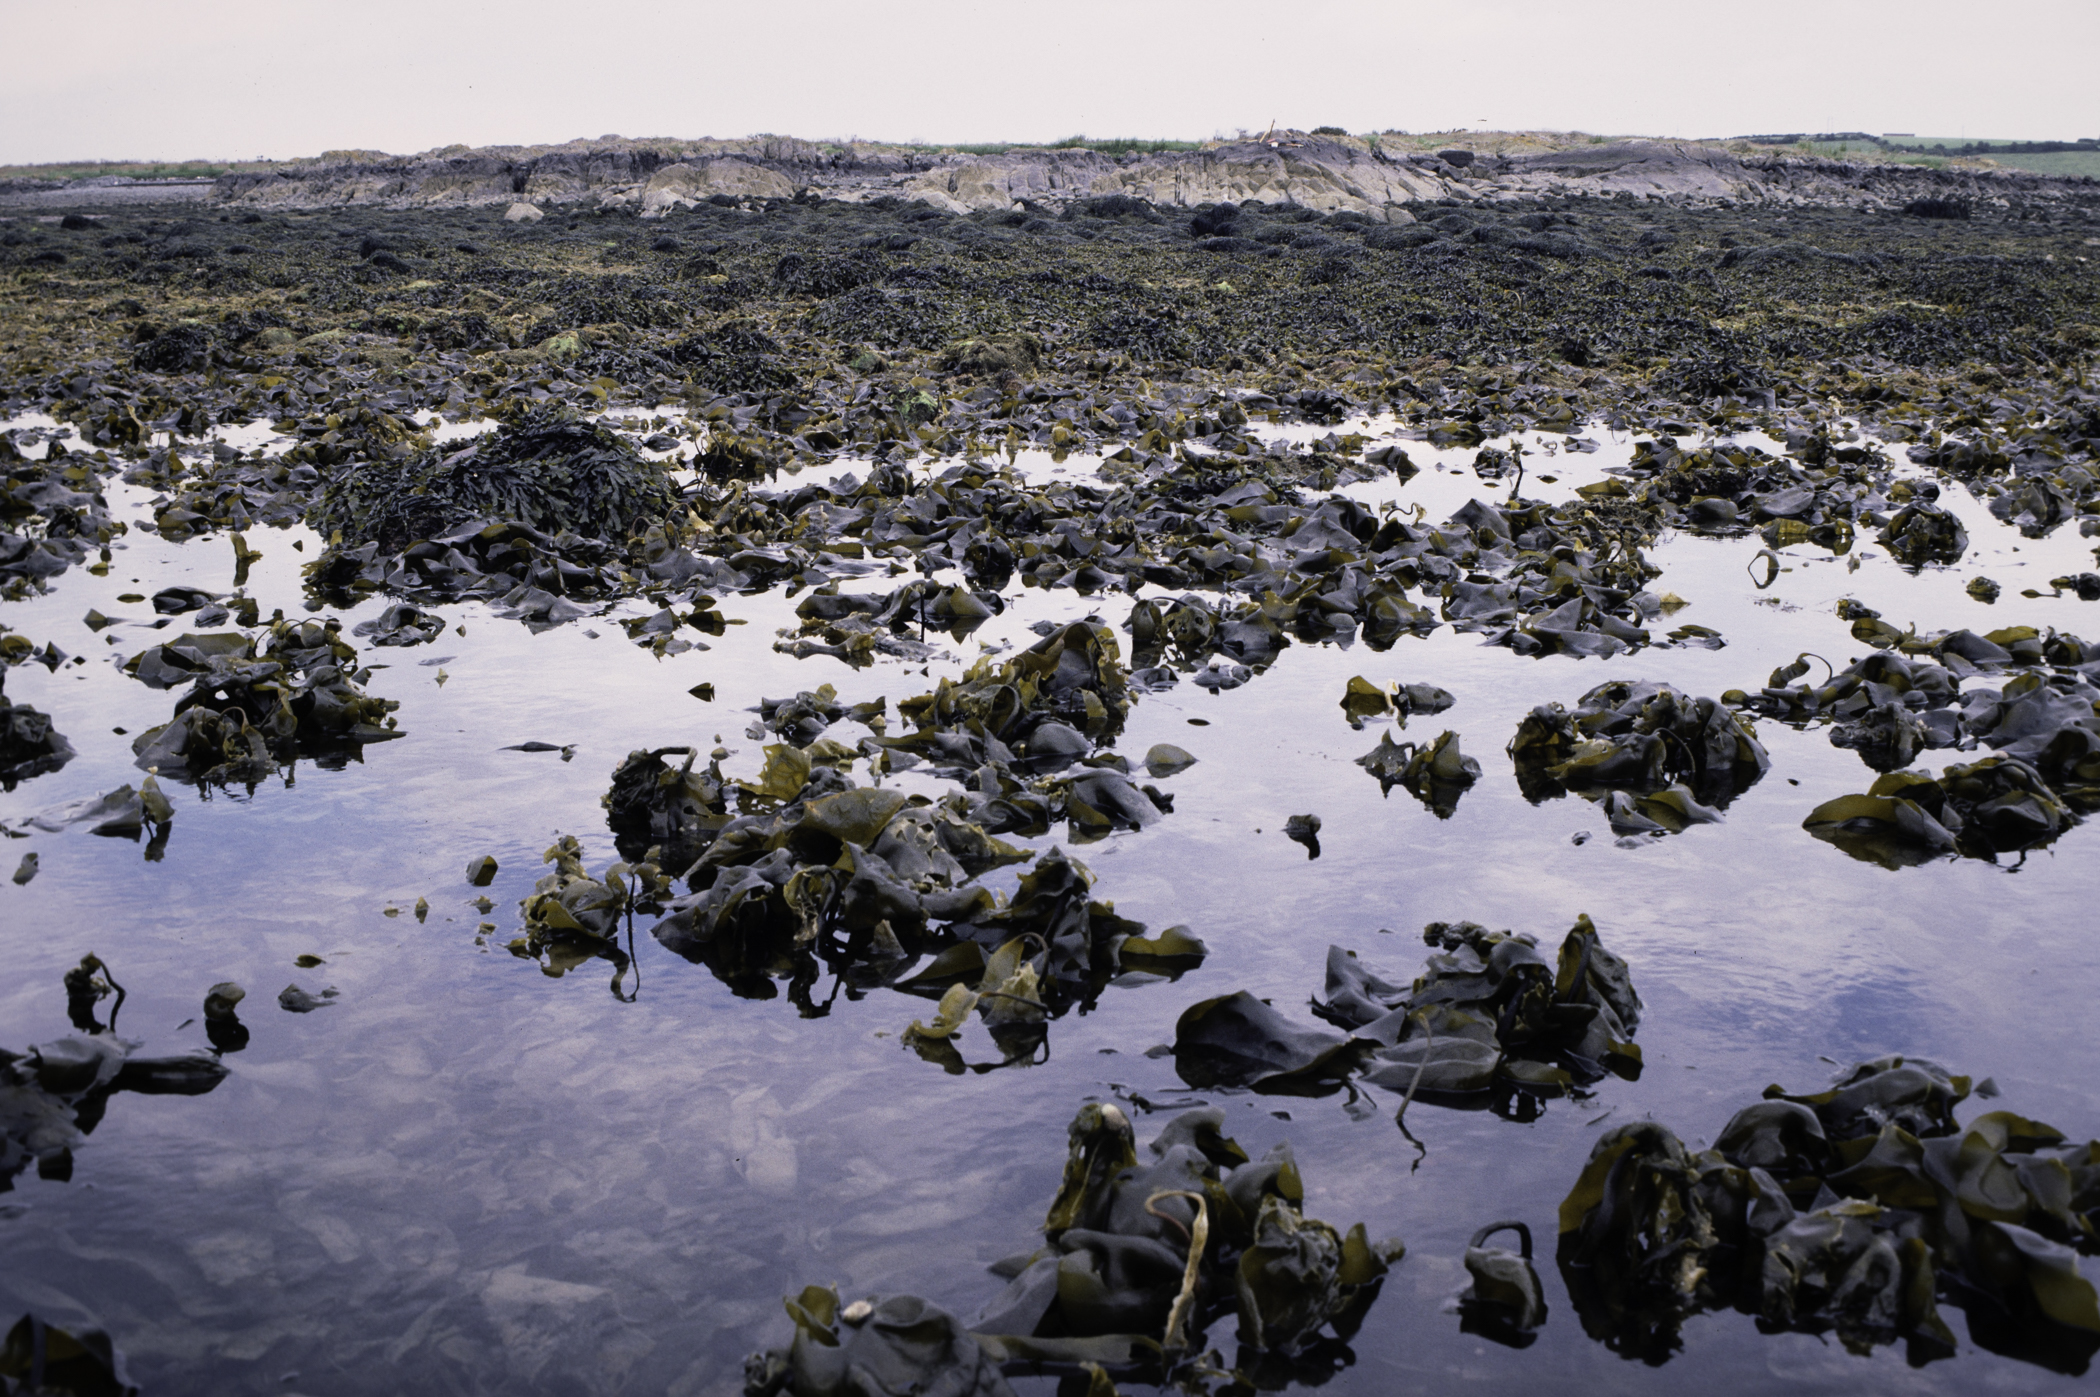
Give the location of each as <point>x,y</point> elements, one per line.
<point>464,1175</point>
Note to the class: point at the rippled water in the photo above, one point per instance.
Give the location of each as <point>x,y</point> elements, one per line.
<point>468,1176</point>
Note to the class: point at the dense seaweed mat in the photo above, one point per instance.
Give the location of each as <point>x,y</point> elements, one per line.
<point>897,654</point>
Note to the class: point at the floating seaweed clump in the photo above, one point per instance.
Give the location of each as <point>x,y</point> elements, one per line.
<point>1980,809</point>
<point>1140,1258</point>
<point>570,917</point>
<point>867,881</point>
<point>2042,725</point>
<point>1859,1209</point>
<point>1362,700</point>
<point>1657,760</point>
<point>52,515</point>
<point>1729,489</point>
<point>256,702</point>
<point>1435,772</point>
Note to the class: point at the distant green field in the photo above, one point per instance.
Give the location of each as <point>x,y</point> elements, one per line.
<point>2066,162</point>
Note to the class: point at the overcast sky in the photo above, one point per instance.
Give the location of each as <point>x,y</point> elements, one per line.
<point>236,79</point>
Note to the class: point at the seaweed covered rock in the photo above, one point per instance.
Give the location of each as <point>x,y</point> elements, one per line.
<point>900,1344</point>
<point>176,350</point>
<point>552,472</point>
<point>1489,1014</point>
<point>735,358</point>
<point>29,745</point>
<point>42,1358</point>
<point>1655,758</point>
<point>1165,1244</point>
<point>812,870</point>
<point>1980,809</point>
<point>1924,533</point>
<point>1860,1208</point>
<point>993,355</point>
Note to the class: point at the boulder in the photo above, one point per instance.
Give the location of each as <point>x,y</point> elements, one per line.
<point>522,213</point>
<point>1001,181</point>
<point>695,182</point>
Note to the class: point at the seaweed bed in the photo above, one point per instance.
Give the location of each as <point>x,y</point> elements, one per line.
<point>924,665</point>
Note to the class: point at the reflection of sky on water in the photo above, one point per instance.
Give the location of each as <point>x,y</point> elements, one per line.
<point>471,1173</point>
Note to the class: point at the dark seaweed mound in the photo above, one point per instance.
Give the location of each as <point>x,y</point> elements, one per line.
<point>552,472</point>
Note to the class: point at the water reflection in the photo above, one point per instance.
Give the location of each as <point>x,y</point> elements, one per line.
<point>465,1169</point>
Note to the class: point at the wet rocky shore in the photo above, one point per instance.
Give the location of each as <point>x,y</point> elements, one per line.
<point>892,523</point>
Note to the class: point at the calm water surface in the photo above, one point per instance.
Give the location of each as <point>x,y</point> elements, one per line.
<point>468,1176</point>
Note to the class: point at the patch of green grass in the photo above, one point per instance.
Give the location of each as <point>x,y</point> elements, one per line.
<point>133,169</point>
<point>1124,145</point>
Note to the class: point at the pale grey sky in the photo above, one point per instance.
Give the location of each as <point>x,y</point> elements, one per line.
<point>235,79</point>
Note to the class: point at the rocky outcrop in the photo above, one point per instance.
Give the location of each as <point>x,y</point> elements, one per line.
<point>1326,175</point>
<point>1688,171</point>
<point>1330,174</point>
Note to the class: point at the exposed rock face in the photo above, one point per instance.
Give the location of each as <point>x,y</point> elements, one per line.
<point>1327,174</point>
<point>1638,167</point>
<point>1324,175</point>
<point>1001,181</point>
